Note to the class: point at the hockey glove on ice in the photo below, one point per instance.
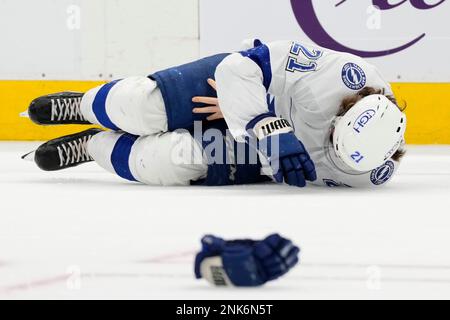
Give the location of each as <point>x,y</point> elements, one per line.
<point>282,151</point>
<point>245,263</point>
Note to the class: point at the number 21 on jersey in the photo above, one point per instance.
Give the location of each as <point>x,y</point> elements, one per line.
<point>302,59</point>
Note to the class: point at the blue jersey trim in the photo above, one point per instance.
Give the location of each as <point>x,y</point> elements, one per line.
<point>257,43</point>
<point>99,106</point>
<point>261,56</point>
<point>271,104</point>
<point>120,156</point>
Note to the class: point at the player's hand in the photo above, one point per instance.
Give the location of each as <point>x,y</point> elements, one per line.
<point>245,263</point>
<point>296,168</point>
<point>212,103</point>
<point>282,152</point>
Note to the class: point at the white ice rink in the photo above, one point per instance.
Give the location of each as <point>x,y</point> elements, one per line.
<point>84,233</point>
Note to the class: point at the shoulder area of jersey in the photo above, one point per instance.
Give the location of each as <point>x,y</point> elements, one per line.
<point>369,133</point>
<point>349,58</point>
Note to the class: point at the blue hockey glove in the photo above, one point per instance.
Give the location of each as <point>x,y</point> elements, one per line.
<point>245,263</point>
<point>280,149</point>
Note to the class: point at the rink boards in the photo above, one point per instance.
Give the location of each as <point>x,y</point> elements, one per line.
<point>428,109</point>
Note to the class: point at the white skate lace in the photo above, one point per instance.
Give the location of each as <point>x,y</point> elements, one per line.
<point>74,152</point>
<point>66,109</point>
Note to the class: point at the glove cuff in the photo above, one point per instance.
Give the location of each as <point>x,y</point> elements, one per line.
<point>267,125</point>
<point>212,270</point>
<point>211,246</point>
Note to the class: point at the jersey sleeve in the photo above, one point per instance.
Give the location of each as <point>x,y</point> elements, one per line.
<point>376,178</point>
<point>241,92</point>
<point>245,79</point>
<point>383,174</point>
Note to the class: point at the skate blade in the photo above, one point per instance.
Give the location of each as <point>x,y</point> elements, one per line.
<point>24,114</point>
<point>29,156</point>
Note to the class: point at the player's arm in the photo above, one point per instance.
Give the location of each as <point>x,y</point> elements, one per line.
<point>241,92</point>
<point>212,103</point>
<point>243,81</point>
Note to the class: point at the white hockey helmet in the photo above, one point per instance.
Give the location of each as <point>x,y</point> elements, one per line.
<point>369,133</point>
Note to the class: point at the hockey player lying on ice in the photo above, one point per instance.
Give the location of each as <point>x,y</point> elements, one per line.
<point>309,114</point>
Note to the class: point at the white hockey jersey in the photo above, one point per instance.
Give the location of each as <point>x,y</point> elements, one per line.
<point>308,85</point>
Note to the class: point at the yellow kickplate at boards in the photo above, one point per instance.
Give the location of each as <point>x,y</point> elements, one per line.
<point>428,110</point>
<point>15,97</point>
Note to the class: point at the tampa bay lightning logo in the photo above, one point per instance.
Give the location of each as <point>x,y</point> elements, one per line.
<point>354,76</point>
<point>382,174</point>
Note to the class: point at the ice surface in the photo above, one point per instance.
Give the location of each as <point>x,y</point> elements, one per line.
<point>84,233</point>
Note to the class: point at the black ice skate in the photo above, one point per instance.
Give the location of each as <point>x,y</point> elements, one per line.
<point>66,152</point>
<point>58,108</point>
